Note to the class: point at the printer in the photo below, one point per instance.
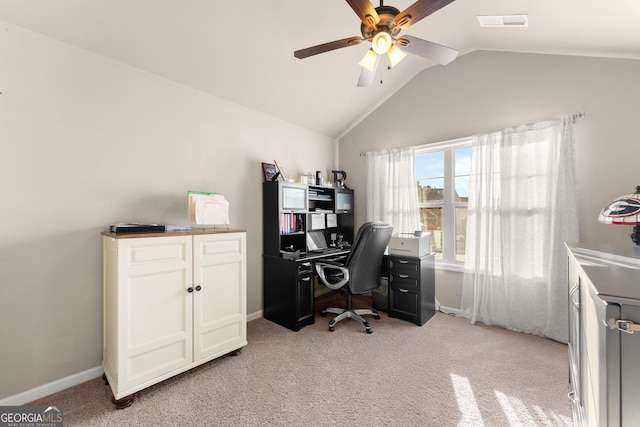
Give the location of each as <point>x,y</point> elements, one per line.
<point>416,244</point>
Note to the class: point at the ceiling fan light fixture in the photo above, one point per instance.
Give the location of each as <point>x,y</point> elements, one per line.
<point>395,55</point>
<point>381,42</point>
<point>381,27</point>
<point>369,60</point>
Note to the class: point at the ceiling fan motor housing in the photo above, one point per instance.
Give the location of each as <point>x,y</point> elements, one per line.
<point>387,23</point>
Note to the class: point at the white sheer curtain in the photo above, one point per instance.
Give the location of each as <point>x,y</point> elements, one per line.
<point>392,192</point>
<point>522,208</point>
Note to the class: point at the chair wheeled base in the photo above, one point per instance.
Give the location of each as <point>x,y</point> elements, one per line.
<point>350,313</point>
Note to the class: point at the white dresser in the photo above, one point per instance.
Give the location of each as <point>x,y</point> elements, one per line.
<point>604,349</point>
<point>172,301</point>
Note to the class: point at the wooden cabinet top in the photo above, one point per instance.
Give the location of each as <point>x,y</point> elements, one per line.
<point>192,232</point>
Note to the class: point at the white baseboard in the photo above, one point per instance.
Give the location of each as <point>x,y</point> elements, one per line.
<point>254,316</point>
<point>52,387</point>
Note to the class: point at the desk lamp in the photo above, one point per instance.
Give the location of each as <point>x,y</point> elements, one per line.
<point>625,210</point>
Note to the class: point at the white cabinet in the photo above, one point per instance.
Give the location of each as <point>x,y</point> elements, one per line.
<point>604,367</point>
<point>171,302</point>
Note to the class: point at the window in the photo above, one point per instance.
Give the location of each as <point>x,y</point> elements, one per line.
<point>442,171</point>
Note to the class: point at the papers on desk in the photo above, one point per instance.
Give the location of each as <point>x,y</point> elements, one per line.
<point>207,208</point>
<point>176,228</point>
<point>320,221</point>
<point>317,221</point>
<point>332,220</point>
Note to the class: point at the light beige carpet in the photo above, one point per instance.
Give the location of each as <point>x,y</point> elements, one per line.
<point>445,373</point>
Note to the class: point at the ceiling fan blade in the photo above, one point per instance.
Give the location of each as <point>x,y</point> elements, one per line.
<point>365,11</point>
<point>366,76</point>
<point>419,10</point>
<point>326,47</point>
<point>432,51</point>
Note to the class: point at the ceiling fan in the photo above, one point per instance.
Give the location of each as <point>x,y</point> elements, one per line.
<point>381,26</point>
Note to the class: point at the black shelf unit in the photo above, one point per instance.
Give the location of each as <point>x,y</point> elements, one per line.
<point>288,279</point>
<point>326,201</point>
<point>284,224</point>
<point>321,199</point>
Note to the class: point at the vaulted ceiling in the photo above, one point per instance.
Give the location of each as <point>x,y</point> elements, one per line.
<point>242,51</point>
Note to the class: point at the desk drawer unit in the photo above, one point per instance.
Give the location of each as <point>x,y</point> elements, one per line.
<point>305,299</point>
<point>288,292</point>
<point>412,288</point>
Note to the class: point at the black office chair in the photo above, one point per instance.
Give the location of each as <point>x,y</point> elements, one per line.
<point>358,273</point>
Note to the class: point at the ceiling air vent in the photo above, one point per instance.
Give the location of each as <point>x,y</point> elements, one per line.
<point>493,21</point>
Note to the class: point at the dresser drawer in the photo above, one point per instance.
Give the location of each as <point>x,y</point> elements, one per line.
<point>305,267</point>
<point>404,264</point>
<point>400,280</point>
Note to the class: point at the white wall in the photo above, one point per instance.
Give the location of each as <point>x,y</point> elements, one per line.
<point>86,142</point>
<point>485,91</point>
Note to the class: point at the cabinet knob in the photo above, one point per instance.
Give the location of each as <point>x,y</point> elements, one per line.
<point>189,289</point>
<point>198,288</point>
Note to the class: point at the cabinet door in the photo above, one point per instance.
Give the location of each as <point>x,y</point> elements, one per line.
<point>219,280</point>
<point>305,303</point>
<point>630,368</point>
<point>154,308</point>
<point>404,303</point>
<point>575,343</point>
<point>600,358</point>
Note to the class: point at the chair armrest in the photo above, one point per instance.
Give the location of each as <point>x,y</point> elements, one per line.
<point>337,260</point>
<point>340,273</point>
<point>333,261</point>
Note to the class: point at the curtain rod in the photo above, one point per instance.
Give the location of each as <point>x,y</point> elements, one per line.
<point>575,116</point>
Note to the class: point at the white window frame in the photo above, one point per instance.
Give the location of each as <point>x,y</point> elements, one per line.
<point>449,205</point>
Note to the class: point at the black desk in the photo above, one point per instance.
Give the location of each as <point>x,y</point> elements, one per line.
<point>288,289</point>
